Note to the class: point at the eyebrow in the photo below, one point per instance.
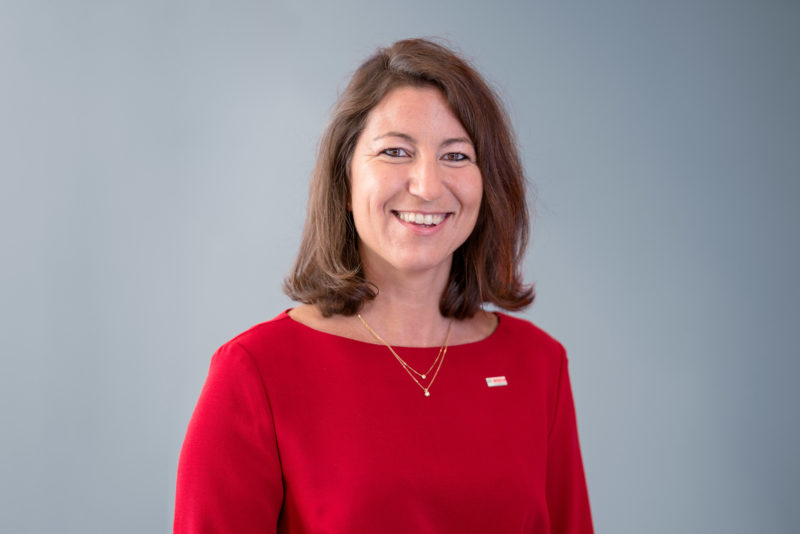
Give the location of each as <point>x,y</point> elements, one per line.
<point>406,137</point>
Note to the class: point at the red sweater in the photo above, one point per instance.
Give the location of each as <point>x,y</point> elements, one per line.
<point>299,431</point>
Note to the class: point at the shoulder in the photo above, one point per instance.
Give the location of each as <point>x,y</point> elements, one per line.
<point>240,367</point>
<point>270,337</point>
<point>518,330</point>
<point>269,331</point>
<point>541,360</point>
<point>235,375</point>
<point>537,350</point>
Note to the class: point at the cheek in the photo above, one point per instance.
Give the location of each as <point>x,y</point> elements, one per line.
<point>371,191</point>
<point>364,205</point>
<point>473,195</point>
<point>362,200</point>
<point>359,190</point>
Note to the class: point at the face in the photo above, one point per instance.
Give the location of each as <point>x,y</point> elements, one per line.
<point>415,185</point>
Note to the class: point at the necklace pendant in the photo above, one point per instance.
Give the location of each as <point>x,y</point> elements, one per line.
<point>437,363</point>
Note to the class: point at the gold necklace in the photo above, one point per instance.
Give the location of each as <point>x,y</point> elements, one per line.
<point>410,370</point>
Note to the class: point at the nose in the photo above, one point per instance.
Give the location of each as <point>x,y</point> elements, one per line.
<point>425,180</point>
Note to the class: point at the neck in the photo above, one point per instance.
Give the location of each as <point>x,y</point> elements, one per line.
<point>406,310</point>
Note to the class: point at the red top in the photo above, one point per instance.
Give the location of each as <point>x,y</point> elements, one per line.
<point>299,431</point>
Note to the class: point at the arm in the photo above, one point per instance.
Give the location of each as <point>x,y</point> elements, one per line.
<point>229,473</point>
<point>567,498</point>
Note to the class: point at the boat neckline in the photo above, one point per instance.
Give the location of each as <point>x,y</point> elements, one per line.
<point>500,320</point>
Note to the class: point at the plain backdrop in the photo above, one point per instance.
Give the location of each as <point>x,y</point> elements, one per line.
<point>155,158</point>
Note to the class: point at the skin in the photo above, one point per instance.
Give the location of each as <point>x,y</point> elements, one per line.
<point>413,157</point>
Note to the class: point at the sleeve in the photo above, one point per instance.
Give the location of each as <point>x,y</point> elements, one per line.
<point>567,497</point>
<point>229,473</point>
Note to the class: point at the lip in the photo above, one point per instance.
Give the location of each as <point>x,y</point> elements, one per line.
<point>419,229</point>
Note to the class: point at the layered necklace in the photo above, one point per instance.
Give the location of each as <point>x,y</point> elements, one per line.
<point>415,375</point>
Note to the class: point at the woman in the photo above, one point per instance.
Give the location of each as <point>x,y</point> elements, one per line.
<point>390,401</point>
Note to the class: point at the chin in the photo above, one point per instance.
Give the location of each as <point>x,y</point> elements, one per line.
<point>419,265</point>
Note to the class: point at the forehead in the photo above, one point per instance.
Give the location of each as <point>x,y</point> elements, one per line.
<point>416,111</point>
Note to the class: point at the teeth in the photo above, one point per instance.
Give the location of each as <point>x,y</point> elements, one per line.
<point>428,219</point>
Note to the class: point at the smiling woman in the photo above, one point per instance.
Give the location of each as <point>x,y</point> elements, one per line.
<point>329,271</point>
<point>413,165</point>
<point>391,400</point>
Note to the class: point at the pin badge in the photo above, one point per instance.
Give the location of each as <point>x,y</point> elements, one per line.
<point>494,381</point>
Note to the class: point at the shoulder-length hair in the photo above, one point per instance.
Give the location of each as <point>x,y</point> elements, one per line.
<point>486,268</point>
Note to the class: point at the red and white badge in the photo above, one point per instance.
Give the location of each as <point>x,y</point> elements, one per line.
<point>494,381</point>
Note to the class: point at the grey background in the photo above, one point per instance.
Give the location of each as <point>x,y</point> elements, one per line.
<point>154,166</point>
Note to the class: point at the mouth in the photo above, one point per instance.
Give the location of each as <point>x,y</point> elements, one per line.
<point>425,220</point>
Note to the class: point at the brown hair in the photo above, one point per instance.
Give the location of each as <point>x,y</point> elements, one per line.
<point>486,268</point>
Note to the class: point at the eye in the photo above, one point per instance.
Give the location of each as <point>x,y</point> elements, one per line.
<point>455,156</point>
<point>395,152</point>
